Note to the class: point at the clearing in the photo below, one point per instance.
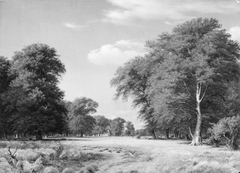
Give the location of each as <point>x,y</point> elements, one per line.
<point>124,154</point>
<point>117,155</point>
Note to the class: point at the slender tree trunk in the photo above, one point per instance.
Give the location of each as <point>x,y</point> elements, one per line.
<point>6,134</point>
<point>176,134</point>
<point>187,137</point>
<point>167,133</point>
<point>81,134</point>
<point>39,135</point>
<point>154,135</point>
<point>196,139</point>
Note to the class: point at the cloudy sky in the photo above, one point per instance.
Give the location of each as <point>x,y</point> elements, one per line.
<point>95,37</point>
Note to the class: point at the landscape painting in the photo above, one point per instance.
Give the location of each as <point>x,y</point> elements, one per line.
<point>119,86</point>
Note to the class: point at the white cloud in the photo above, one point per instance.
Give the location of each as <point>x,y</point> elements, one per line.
<point>74,26</point>
<point>235,32</point>
<point>117,53</point>
<point>128,10</point>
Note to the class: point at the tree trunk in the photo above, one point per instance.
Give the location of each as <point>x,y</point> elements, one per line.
<point>81,134</point>
<point>187,137</point>
<point>6,134</point>
<point>39,135</point>
<point>196,138</point>
<point>176,134</point>
<point>167,133</point>
<point>232,143</point>
<point>154,135</point>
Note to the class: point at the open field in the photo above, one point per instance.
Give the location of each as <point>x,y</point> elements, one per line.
<point>126,155</point>
<point>151,156</point>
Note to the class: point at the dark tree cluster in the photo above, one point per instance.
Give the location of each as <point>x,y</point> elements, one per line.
<point>187,80</point>
<point>30,99</point>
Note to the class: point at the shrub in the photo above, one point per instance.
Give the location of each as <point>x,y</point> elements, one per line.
<point>30,155</point>
<point>3,145</point>
<point>68,170</point>
<point>89,169</point>
<point>210,167</point>
<point>227,130</point>
<point>50,170</point>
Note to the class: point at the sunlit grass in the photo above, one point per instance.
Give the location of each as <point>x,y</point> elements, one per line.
<point>124,154</point>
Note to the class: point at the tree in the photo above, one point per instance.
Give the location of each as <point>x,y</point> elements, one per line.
<point>227,130</point>
<point>132,80</point>
<point>80,119</point>
<point>35,97</point>
<point>117,126</point>
<point>129,129</point>
<point>201,61</point>
<point>5,80</point>
<point>102,124</point>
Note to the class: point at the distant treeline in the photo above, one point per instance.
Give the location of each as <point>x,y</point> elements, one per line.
<point>31,103</point>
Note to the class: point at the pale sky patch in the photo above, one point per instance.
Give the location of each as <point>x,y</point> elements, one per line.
<point>126,11</point>
<point>51,23</point>
<point>235,32</point>
<point>123,112</point>
<point>75,26</point>
<point>117,53</point>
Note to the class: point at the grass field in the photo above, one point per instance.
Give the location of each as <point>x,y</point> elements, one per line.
<point>155,156</point>
<point>127,154</point>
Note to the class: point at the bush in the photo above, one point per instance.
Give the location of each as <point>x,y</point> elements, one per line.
<point>210,167</point>
<point>89,169</point>
<point>50,170</point>
<point>68,170</point>
<point>227,130</point>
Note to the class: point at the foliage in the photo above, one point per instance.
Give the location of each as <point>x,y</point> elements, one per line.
<point>80,120</point>
<point>184,80</point>
<point>117,126</point>
<point>142,132</point>
<point>5,80</point>
<point>50,169</point>
<point>102,125</point>
<point>36,100</point>
<point>129,129</point>
<point>227,130</point>
<point>68,170</point>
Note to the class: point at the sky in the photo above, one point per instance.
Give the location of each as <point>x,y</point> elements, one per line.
<point>95,37</point>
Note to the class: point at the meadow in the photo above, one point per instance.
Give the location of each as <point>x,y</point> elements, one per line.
<point>116,155</point>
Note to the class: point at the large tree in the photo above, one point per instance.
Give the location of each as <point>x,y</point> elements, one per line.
<point>132,81</point>
<point>201,62</point>
<point>80,119</point>
<point>5,80</point>
<point>129,129</point>
<point>35,95</point>
<point>102,125</point>
<point>183,82</point>
<point>117,126</point>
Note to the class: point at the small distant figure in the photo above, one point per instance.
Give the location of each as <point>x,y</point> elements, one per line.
<point>238,1</point>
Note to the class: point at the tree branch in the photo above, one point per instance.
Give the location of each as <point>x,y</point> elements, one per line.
<point>188,90</point>
<point>204,93</point>
<point>189,106</point>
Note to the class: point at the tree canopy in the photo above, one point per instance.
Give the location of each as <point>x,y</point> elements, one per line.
<point>36,100</point>
<point>80,119</point>
<point>184,80</point>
